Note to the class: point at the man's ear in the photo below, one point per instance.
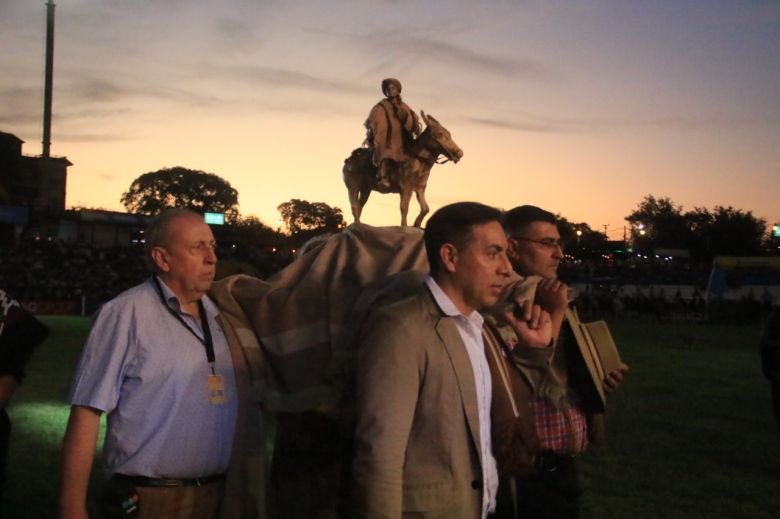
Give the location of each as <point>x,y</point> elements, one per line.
<point>160,258</point>
<point>511,248</point>
<point>449,257</point>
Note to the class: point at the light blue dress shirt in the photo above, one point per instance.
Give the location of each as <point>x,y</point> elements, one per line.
<point>148,372</point>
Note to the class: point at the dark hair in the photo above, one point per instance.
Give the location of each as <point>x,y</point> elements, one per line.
<point>156,234</point>
<point>452,224</point>
<point>515,220</point>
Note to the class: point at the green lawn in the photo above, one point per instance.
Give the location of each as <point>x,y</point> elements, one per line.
<point>38,416</point>
<point>690,432</point>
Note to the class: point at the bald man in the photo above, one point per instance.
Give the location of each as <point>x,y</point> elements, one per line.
<point>157,362</point>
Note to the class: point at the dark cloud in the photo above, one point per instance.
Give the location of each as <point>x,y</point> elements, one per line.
<point>92,112</point>
<point>102,92</point>
<point>18,99</point>
<point>15,116</point>
<point>722,121</point>
<point>476,62</point>
<point>676,122</point>
<point>379,70</point>
<point>279,77</point>
<point>99,90</point>
<point>402,47</point>
<point>521,126</point>
<point>233,30</point>
<point>92,136</point>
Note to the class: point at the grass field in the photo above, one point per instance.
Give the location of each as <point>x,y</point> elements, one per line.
<point>690,432</point>
<point>38,416</point>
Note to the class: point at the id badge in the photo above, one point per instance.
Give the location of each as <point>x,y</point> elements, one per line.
<point>215,385</point>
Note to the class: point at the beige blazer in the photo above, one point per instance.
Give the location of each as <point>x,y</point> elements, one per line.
<point>417,436</point>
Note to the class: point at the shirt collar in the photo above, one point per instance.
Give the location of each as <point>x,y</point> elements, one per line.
<point>173,301</point>
<point>446,304</point>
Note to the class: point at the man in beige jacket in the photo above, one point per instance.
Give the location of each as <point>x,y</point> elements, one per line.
<point>422,442</point>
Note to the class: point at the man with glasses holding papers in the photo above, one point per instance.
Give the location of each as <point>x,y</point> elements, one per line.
<point>544,413</point>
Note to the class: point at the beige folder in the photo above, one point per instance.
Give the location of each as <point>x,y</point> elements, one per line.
<point>597,347</point>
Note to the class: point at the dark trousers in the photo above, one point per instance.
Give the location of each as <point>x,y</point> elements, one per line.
<point>546,494</point>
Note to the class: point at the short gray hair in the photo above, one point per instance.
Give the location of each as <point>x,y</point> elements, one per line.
<point>156,234</point>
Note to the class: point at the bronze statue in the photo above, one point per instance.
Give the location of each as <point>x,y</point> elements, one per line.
<point>409,175</point>
<point>390,128</point>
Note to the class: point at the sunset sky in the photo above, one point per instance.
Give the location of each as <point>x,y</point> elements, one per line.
<point>582,107</point>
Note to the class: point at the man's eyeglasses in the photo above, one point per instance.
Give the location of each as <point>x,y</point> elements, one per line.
<point>548,243</point>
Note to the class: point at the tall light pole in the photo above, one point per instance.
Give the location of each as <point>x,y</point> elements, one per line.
<point>49,73</point>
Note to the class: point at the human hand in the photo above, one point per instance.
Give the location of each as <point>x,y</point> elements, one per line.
<point>531,323</point>
<point>552,295</point>
<point>613,380</point>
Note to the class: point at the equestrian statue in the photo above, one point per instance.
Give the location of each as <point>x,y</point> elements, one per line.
<point>397,157</point>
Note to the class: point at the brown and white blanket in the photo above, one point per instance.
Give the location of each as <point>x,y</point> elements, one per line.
<point>292,336</point>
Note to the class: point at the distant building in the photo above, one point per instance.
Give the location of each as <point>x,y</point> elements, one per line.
<point>101,228</point>
<point>35,182</point>
<point>32,189</point>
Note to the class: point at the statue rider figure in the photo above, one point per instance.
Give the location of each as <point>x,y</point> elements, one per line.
<point>391,126</point>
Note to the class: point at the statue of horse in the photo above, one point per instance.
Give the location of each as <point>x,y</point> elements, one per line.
<point>407,177</point>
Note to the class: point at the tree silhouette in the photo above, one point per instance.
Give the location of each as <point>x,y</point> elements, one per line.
<point>659,223</point>
<point>587,243</point>
<point>181,187</point>
<point>729,231</point>
<point>251,231</point>
<point>301,215</point>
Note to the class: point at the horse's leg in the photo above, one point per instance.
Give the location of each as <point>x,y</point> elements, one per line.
<point>406,196</point>
<point>354,204</point>
<point>363,195</point>
<point>420,192</point>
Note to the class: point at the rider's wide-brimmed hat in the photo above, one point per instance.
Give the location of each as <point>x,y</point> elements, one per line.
<point>390,81</point>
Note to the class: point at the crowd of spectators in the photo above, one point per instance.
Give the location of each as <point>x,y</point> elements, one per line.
<point>55,271</point>
<point>662,304</point>
<point>660,290</point>
<point>52,270</point>
<point>636,270</point>
<point>634,288</point>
